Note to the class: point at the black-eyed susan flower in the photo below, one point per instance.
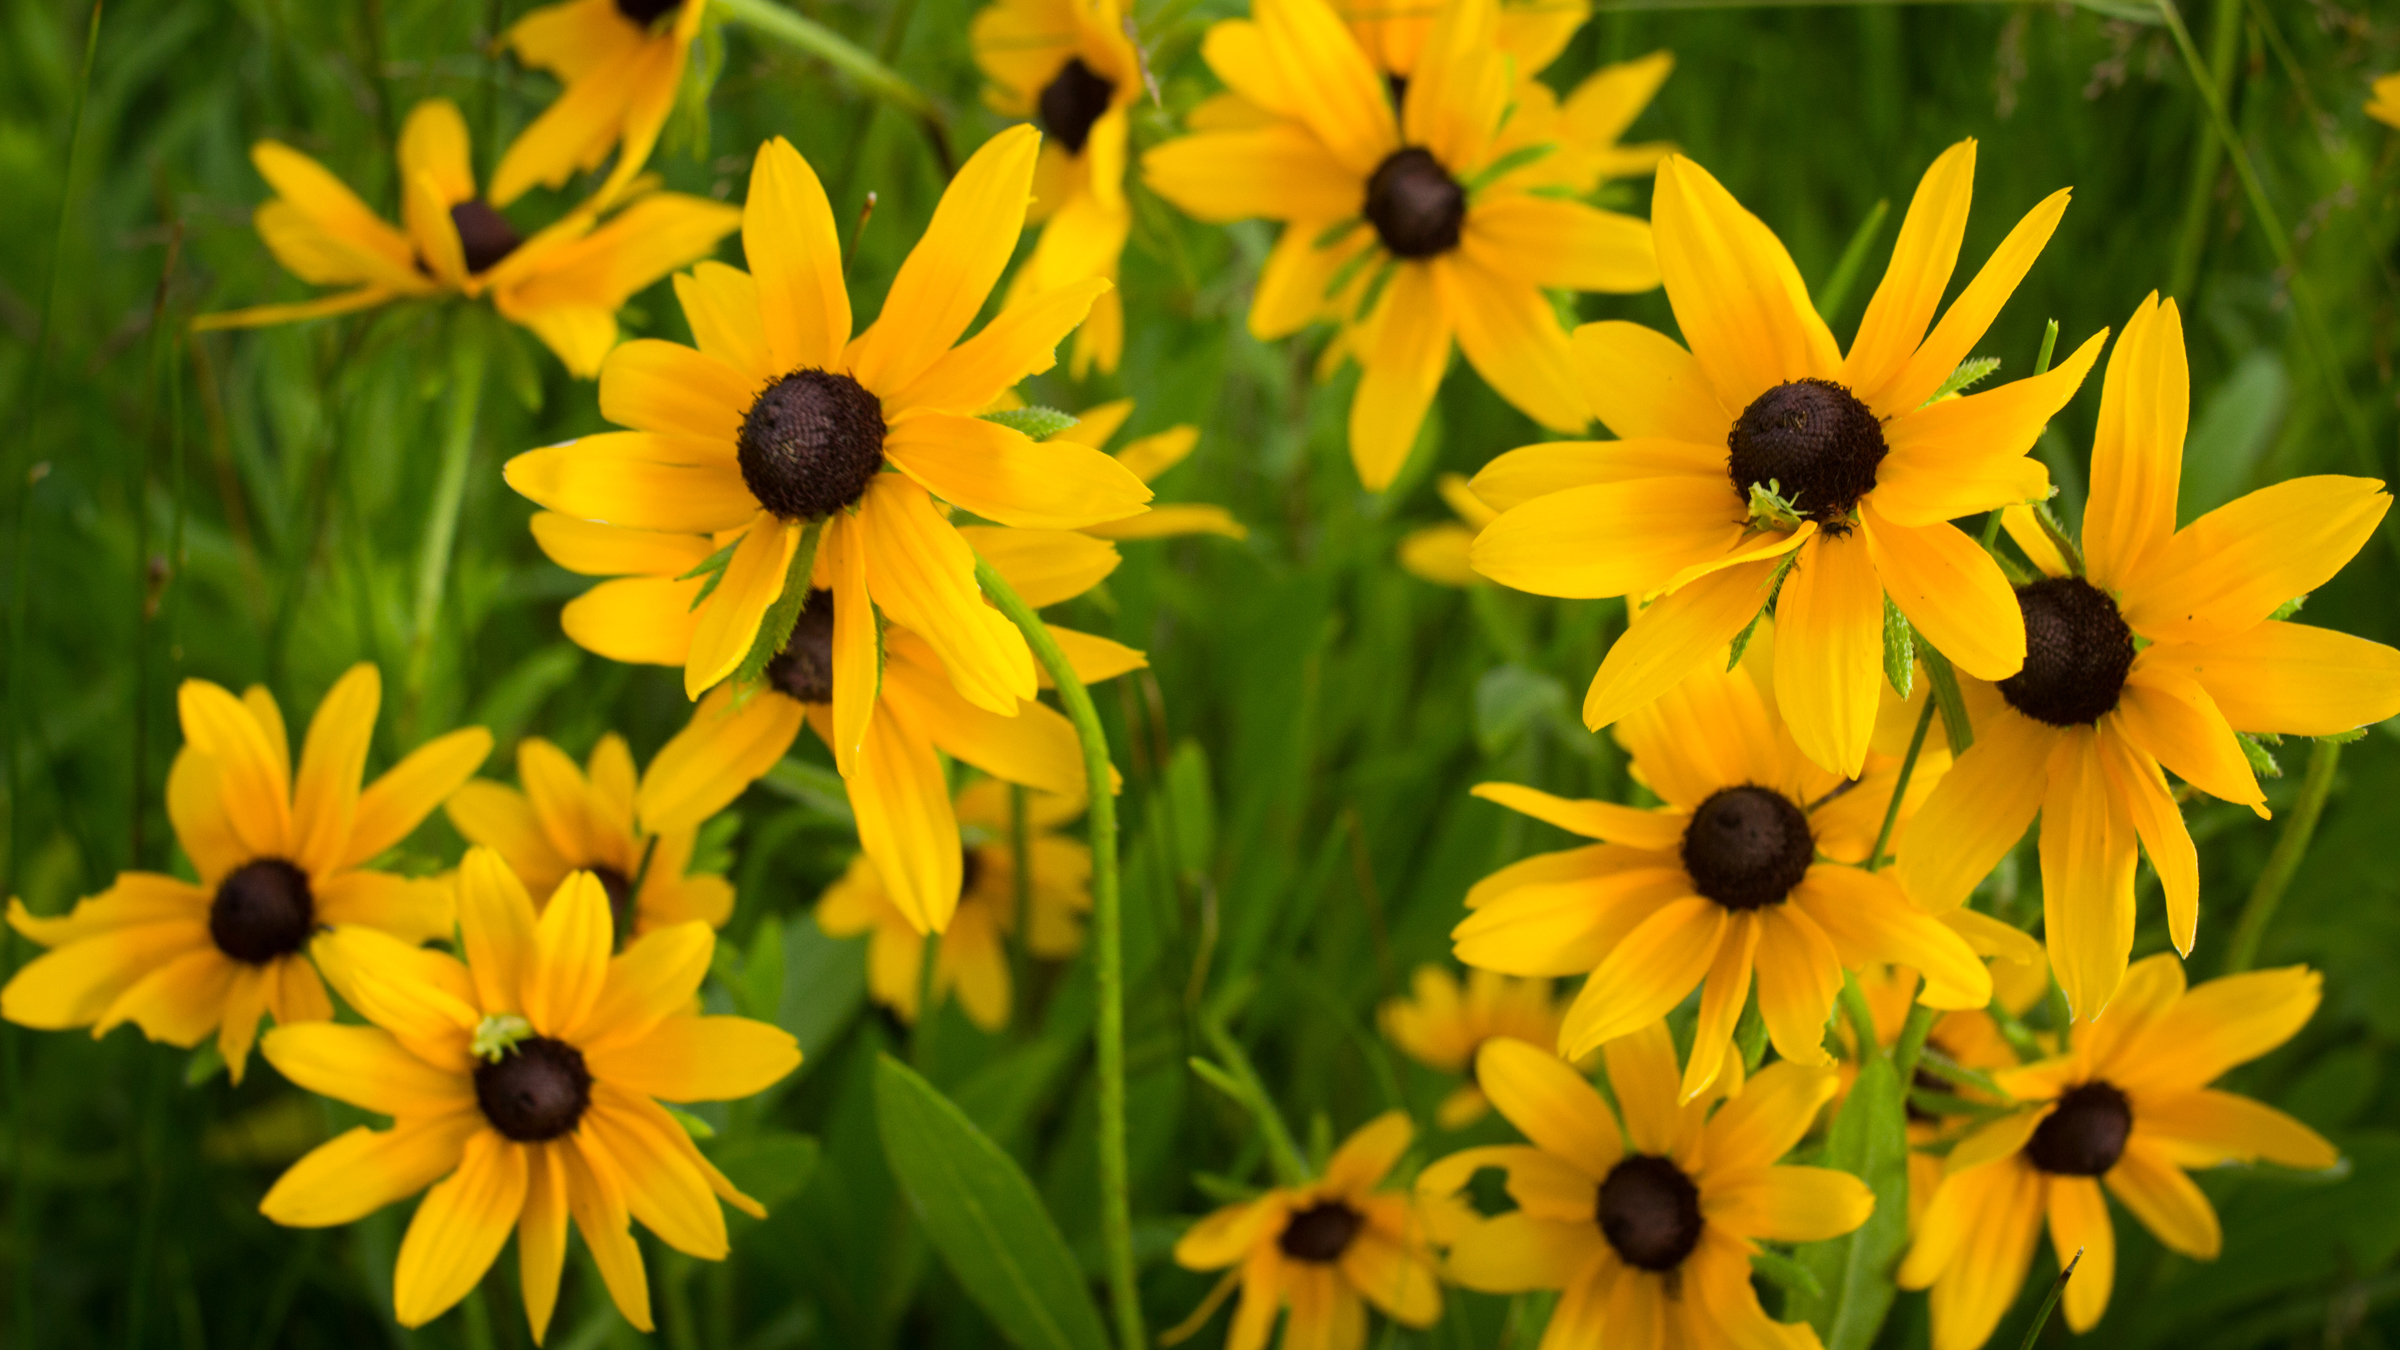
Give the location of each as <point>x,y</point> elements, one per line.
<point>1747,868</point>
<point>1438,553</point>
<point>1411,212</point>
<point>1764,451</point>
<point>1325,1250</point>
<point>521,1085</point>
<point>2129,1107</point>
<point>633,831</point>
<point>278,856</point>
<point>1646,1228</point>
<point>972,962</point>
<point>896,783</point>
<point>2384,106</point>
<point>2155,654</point>
<point>565,283</point>
<point>780,426</point>
<point>1069,65</point>
<point>621,62</point>
<point>1441,1025</point>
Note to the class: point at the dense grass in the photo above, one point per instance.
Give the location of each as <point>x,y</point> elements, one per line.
<point>250,508</point>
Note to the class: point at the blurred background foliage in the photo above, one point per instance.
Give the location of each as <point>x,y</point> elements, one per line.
<point>250,507</point>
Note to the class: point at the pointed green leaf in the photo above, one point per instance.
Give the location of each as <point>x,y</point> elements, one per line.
<point>1869,1140</point>
<point>1038,423</point>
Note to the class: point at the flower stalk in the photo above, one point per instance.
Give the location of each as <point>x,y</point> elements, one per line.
<point>2284,861</point>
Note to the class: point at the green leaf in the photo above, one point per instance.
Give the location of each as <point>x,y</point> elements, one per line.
<point>1508,163</point>
<point>1038,423</point>
<point>204,1064</point>
<point>1794,1278</point>
<point>1869,1140</point>
<point>2261,763</point>
<point>1899,649</point>
<point>770,1166</point>
<point>1510,701</point>
<point>2289,607</point>
<point>984,1217</point>
<point>1965,377</point>
<point>2343,737</point>
<point>760,988</point>
<point>814,786</point>
<point>692,1125</point>
<point>775,628</point>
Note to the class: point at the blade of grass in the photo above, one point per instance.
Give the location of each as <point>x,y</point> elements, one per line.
<point>2050,1303</point>
<point>1830,297</point>
<point>2290,847</point>
<point>2224,32</point>
<point>441,523</point>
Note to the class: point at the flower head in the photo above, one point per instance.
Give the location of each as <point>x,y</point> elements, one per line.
<point>564,283</point>
<point>622,63</point>
<point>1747,868</point>
<point>1646,1228</point>
<point>1441,1026</point>
<point>1414,210</point>
<point>1764,452</point>
<point>2156,651</point>
<point>1325,1249</point>
<point>782,430</point>
<point>634,833</point>
<point>520,1083</point>
<point>279,857</point>
<point>973,959</point>
<point>2129,1107</point>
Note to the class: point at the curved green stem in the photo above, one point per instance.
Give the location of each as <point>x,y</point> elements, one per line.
<point>465,398</point>
<point>1108,953</point>
<point>1908,770</point>
<point>803,34</point>
<point>2290,847</point>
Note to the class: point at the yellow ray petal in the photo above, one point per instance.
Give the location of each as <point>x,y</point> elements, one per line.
<point>1554,1105</point>
<point>2207,1128</point>
<point>729,618</point>
<point>1340,97</point>
<point>2290,679</point>
<point>76,985</point>
<point>1568,927</point>
<point>1510,334</point>
<point>998,473</point>
<point>2167,715</point>
<point>542,1235</point>
<point>1277,172</point>
<point>905,822</point>
<point>1829,652</point>
<point>720,752</point>
<point>796,259</point>
<point>583,481</point>
<point>1968,454</point>
<point>666,387</point>
<point>2133,778</point>
<point>1642,1073</point>
<point>1672,637</point>
<point>655,978</point>
<point>362,1170</point>
<point>1023,340</point>
<point>393,805</point>
<point>1722,993</point>
<point>1036,747</point>
<point>496,921</point>
<point>1648,973</point>
<point>1736,294</point>
<point>1611,538</point>
<point>1043,567</point>
<point>596,1197</point>
<point>366,1067</point>
<point>1951,590</point>
<point>1662,830</point>
<point>1870,919</point>
<point>857,642</point>
<point>325,795</point>
<point>1979,811</point>
<point>1799,976</point>
<point>253,786</point>
<point>721,305</point>
<point>459,1230</point>
<point>2166,1202</point>
<point>570,957</point>
<point>2080,1224</point>
<point>948,274</point>
<point>2137,449</point>
<point>1549,242</point>
<point>1403,365</point>
<point>1762,1122</point>
<point>1642,383</point>
<point>1922,260</point>
<point>700,1059</point>
<point>2236,565</point>
<point>921,573</point>
<point>640,620</point>
<point>2087,875</point>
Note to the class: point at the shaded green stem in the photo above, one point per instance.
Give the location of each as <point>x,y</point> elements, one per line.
<point>2224,30</point>
<point>1108,953</point>
<point>2058,1286</point>
<point>2290,847</point>
<point>464,395</point>
<point>876,77</point>
<point>1862,1018</point>
<point>1912,1041</point>
<point>1908,770</point>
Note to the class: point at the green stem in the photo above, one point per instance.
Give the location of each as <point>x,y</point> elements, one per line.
<point>1862,1018</point>
<point>875,77</point>
<point>1020,849</point>
<point>920,1035</point>
<point>1908,770</point>
<point>1837,286</point>
<point>2290,847</point>
<point>2058,1286</point>
<point>449,495</point>
<point>1283,1152</point>
<point>1912,1043</point>
<point>1955,726</point>
<point>2224,31</point>
<point>1108,953</point>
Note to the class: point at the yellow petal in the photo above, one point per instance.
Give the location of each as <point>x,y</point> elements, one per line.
<point>2082,1231</point>
<point>663,1191</point>
<point>251,781</point>
<point>1403,364</point>
<point>1870,919</point>
<point>393,805</point>
<point>2207,1128</point>
<point>640,620</point>
<point>796,258</point>
<point>592,482</point>
<point>2290,679</point>
<point>570,957</point>
<point>948,274</point>
<point>1641,1071</point>
<point>905,823</point>
<point>1023,340</point>
<point>1044,567</point>
<point>2133,779</point>
<point>1829,652</point>
<point>77,983</point>
<point>1371,1151</point>
<point>2169,716</point>
<point>1722,993</point>
<point>598,550</point>
<point>666,387</point>
<point>366,1067</point>
<point>497,922</point>
<point>360,1171</point>
<point>1968,454</point>
<point>1648,973</point>
<point>655,978</point>
<point>1978,812</point>
<point>1276,172</point>
<point>1799,976</point>
<point>542,1235</point>
<point>700,1059</point>
<point>1951,590</point>
<point>721,306</point>
<point>2087,876</point>
<point>1922,259</point>
<point>1345,102</point>
<point>1594,820</point>
<point>729,618</point>
<point>1736,294</point>
<point>998,473</point>
<point>1786,1204</point>
<point>1642,383</point>
<point>720,752</point>
<point>1552,1104</point>
<point>2137,449</point>
<point>1672,637</point>
<point>1763,1121</point>
<point>2166,1202</point>
<point>1510,334</point>
<point>1549,242</point>
<point>459,1230</point>
<point>923,575</point>
<point>857,646</point>
<point>1036,747</point>
<point>1965,322</point>
<point>1611,538</point>
<point>325,795</point>
<point>2236,565</point>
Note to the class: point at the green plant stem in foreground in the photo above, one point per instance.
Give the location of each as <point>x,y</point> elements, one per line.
<point>1108,954</point>
<point>465,395</point>
<point>2290,847</point>
<point>2058,1286</point>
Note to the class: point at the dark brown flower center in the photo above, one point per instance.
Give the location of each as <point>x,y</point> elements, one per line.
<point>2086,1135</point>
<point>643,13</point>
<point>620,899</point>
<point>263,910</point>
<point>1747,847</point>
<point>1073,101</point>
<point>804,668</point>
<point>811,444</point>
<point>1320,1233</point>
<point>1812,442</point>
<point>537,1090</point>
<point>1650,1212</point>
<point>483,234</point>
<point>2078,651</point>
<point>1415,205</point>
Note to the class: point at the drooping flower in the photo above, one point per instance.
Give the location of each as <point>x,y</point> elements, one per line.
<point>1069,65</point>
<point>1413,211</point>
<point>564,283</point>
<point>2129,1107</point>
<point>1441,1026</point>
<point>279,856</point>
<point>2155,654</point>
<point>1438,553</point>
<point>1325,1250</point>
<point>1765,452</point>
<point>1748,867</point>
<point>622,62</point>
<point>1645,1229</point>
<point>634,833</point>
<point>973,959</point>
<point>520,1083</point>
<point>777,431</point>
<point>896,783</point>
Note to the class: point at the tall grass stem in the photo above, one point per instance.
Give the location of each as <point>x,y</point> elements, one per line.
<point>2290,847</point>
<point>441,522</point>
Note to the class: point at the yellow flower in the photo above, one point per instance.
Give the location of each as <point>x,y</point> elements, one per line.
<point>1442,1026</point>
<point>780,427</point>
<point>2128,1105</point>
<point>622,63</point>
<point>1325,1249</point>
<point>1646,1232</point>
<point>2385,105</point>
<point>1671,509</point>
<point>1746,868</point>
<point>1419,211</point>
<point>1148,457</point>
<point>896,783</point>
<point>1069,64</point>
<point>2156,655</point>
<point>625,829</point>
<point>520,1085</point>
<point>278,857</point>
<point>1438,553</point>
<point>565,284</point>
<point>973,958</point>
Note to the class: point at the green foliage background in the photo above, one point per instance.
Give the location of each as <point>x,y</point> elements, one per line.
<point>251,508</point>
